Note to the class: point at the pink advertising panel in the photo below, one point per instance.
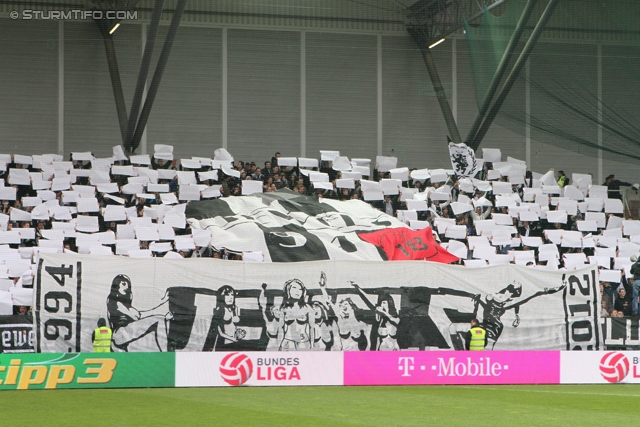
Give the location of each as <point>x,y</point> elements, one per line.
<point>451,367</point>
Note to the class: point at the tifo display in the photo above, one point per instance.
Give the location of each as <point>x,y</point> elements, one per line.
<point>558,258</point>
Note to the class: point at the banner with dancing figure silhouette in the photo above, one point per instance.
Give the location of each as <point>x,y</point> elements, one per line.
<point>206,304</point>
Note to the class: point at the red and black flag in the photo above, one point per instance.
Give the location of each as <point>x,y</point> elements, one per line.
<point>407,244</point>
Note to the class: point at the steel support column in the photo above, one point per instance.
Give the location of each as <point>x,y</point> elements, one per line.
<point>116,84</point>
<point>144,70</point>
<point>502,67</point>
<point>157,76</point>
<point>513,75</point>
<point>438,88</point>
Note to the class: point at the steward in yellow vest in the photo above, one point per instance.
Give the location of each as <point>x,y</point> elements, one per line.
<point>101,337</point>
<point>476,337</point>
<point>563,179</point>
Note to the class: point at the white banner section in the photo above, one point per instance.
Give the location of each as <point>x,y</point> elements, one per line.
<point>205,304</point>
<point>259,369</point>
<point>599,367</point>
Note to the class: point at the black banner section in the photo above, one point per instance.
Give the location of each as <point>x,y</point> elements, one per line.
<point>16,334</point>
<point>621,332</point>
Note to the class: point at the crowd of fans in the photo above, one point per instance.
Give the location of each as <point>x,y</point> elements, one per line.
<point>503,214</point>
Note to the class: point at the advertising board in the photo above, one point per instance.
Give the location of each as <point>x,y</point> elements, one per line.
<point>259,369</point>
<point>86,370</point>
<point>599,367</point>
<point>450,367</point>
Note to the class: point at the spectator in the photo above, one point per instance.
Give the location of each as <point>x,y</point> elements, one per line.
<point>277,181</point>
<point>160,163</point>
<point>604,309</point>
<point>623,303</point>
<point>274,159</point>
<point>562,179</point>
<point>606,294</point>
<point>635,281</point>
<point>613,187</point>
<point>257,174</point>
<point>479,215</point>
<point>267,171</point>
<point>389,209</point>
<point>23,310</point>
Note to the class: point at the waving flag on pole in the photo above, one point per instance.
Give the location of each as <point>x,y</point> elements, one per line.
<point>463,160</point>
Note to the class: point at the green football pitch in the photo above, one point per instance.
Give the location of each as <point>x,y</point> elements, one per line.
<point>560,405</point>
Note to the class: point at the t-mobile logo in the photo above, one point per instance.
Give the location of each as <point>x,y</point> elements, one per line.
<point>405,364</point>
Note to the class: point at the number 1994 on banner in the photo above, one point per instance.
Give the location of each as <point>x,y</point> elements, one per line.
<point>59,295</point>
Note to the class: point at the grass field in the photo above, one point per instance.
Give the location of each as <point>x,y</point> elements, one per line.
<point>560,405</point>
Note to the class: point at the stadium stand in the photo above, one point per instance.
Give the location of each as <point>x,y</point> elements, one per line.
<point>135,206</point>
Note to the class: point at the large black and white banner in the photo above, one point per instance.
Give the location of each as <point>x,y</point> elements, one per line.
<point>288,227</point>
<point>156,304</point>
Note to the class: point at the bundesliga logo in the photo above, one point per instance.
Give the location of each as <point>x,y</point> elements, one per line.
<point>614,367</point>
<point>236,368</point>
